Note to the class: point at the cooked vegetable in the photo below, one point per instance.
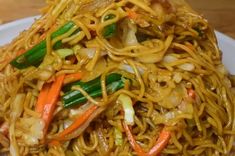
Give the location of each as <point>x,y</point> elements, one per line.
<point>110,30</point>
<point>139,151</point>
<point>89,87</point>
<point>161,143</point>
<point>129,112</point>
<point>63,53</point>
<point>118,137</point>
<point>129,30</point>
<point>42,98</point>
<point>191,93</point>
<point>132,14</point>
<point>73,77</point>
<point>34,56</point>
<point>78,122</point>
<point>75,97</point>
<point>51,101</point>
<point>116,77</point>
<point>21,51</point>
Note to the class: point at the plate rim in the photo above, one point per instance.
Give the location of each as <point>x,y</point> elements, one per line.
<point>18,21</point>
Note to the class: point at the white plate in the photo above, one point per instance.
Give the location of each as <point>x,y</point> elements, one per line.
<point>226,44</point>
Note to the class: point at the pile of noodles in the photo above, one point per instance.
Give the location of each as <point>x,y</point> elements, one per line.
<point>180,53</point>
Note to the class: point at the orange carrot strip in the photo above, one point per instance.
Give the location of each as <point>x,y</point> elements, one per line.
<point>51,101</point>
<point>191,93</point>
<point>161,143</point>
<point>21,51</point>
<point>77,123</point>
<point>73,77</point>
<point>42,98</point>
<point>132,141</point>
<point>54,143</point>
<point>132,14</point>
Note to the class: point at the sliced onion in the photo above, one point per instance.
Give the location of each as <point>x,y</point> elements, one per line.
<point>129,69</point>
<point>67,123</point>
<point>186,107</point>
<point>129,112</point>
<point>129,31</point>
<point>170,115</point>
<point>169,59</point>
<point>44,74</point>
<point>87,52</point>
<point>177,77</point>
<point>151,58</point>
<point>187,66</point>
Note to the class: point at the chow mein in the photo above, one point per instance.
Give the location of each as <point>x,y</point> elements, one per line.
<point>116,78</point>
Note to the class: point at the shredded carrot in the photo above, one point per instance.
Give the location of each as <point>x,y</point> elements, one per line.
<point>77,123</point>
<point>73,77</point>
<point>43,36</point>
<point>155,150</point>
<point>42,98</point>
<point>132,141</point>
<point>54,143</point>
<point>161,143</point>
<point>191,93</point>
<point>132,14</point>
<point>51,101</point>
<point>21,51</point>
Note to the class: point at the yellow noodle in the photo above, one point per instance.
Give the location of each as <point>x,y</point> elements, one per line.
<point>203,125</point>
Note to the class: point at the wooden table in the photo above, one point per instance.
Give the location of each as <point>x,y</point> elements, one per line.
<point>220,13</point>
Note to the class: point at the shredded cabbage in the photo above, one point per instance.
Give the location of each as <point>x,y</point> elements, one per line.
<point>128,108</point>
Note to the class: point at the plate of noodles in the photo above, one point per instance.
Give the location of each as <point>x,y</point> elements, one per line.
<point>116,78</point>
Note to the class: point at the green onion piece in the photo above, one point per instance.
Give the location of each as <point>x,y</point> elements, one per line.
<point>110,30</point>
<point>92,85</point>
<point>111,88</point>
<point>34,56</point>
<point>63,53</point>
<point>71,96</point>
<point>129,112</point>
